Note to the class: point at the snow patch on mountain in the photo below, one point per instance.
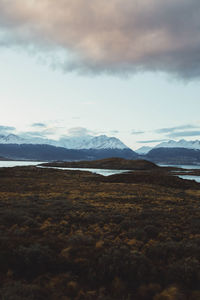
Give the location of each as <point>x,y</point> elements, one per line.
<point>180,144</point>
<point>92,142</point>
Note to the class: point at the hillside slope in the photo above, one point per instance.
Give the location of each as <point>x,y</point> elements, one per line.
<point>52,153</point>
<point>174,156</point>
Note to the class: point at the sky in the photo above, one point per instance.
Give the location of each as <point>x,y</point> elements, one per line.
<point>129,69</point>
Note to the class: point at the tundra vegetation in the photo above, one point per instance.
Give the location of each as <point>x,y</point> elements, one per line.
<point>76,235</point>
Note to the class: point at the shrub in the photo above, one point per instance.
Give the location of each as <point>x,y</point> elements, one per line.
<point>171,293</point>
<point>33,260</point>
<point>22,291</point>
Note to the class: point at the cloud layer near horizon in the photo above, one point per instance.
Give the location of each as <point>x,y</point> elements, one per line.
<point>112,36</point>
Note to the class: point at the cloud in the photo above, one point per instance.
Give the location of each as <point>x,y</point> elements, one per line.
<point>42,130</point>
<point>152,141</point>
<point>180,131</point>
<point>137,132</point>
<point>184,134</point>
<point>113,132</point>
<point>172,129</point>
<point>6,129</point>
<point>82,131</point>
<point>78,131</point>
<point>39,125</point>
<point>57,132</point>
<point>113,36</point>
<point>29,134</point>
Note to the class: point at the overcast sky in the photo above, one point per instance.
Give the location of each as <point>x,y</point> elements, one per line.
<point>129,69</point>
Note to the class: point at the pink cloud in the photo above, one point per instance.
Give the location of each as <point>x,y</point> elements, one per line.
<point>112,35</point>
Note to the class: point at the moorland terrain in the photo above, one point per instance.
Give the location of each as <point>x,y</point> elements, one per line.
<point>77,235</point>
<point>107,163</point>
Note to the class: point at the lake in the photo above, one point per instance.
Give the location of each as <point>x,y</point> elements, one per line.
<point>7,164</point>
<point>182,166</point>
<point>104,172</point>
<point>187,167</point>
<point>190,177</point>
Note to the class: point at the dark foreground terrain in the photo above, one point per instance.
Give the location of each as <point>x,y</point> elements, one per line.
<point>75,235</point>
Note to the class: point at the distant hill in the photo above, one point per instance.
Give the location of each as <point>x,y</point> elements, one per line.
<point>4,159</point>
<point>143,150</point>
<point>174,156</point>
<point>52,153</point>
<point>109,163</point>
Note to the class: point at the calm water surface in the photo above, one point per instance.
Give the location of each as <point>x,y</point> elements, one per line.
<point>182,166</point>
<point>104,172</point>
<point>188,167</point>
<point>7,164</point>
<point>190,177</point>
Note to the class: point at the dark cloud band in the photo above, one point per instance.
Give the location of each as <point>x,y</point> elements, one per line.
<point>113,36</point>
<point>7,128</point>
<point>152,141</point>
<point>135,132</point>
<point>179,134</point>
<point>176,128</point>
<point>39,125</point>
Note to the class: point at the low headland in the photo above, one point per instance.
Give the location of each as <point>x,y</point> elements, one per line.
<point>108,163</point>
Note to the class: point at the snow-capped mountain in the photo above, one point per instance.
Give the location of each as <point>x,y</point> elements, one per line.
<point>17,139</point>
<point>26,147</point>
<point>171,144</point>
<point>91,142</point>
<point>75,142</point>
<point>180,144</point>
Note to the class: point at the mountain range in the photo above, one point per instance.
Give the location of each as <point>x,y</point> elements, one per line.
<point>180,144</point>
<point>67,148</point>
<point>180,152</point>
<point>176,156</point>
<point>68,142</point>
<point>89,147</point>
<point>171,144</point>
